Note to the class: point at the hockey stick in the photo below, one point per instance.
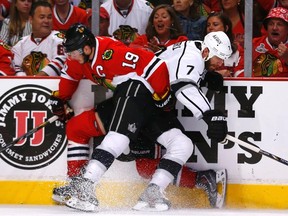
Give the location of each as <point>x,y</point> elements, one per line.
<point>256,149</point>
<point>29,133</point>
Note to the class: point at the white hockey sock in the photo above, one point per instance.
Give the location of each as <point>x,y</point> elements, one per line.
<point>94,170</point>
<point>162,178</point>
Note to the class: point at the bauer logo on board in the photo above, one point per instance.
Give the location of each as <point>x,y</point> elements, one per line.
<point>21,109</point>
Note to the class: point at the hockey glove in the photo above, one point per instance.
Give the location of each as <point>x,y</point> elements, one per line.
<point>213,81</point>
<point>166,102</point>
<point>60,108</point>
<point>217,125</point>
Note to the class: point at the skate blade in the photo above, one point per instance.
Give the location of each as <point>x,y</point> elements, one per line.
<point>85,206</point>
<point>60,200</point>
<point>221,180</point>
<point>144,206</point>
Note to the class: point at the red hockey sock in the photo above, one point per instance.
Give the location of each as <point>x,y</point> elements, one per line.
<point>187,178</point>
<point>75,167</point>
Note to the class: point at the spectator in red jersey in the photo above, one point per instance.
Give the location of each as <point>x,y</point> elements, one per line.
<point>234,9</point>
<point>4,9</point>
<point>163,29</point>
<point>6,60</point>
<point>270,52</point>
<point>269,4</point>
<point>214,5</point>
<point>65,15</point>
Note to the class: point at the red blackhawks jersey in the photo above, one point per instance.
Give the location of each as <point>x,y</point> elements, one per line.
<point>116,62</point>
<point>266,61</point>
<point>6,60</point>
<point>75,15</point>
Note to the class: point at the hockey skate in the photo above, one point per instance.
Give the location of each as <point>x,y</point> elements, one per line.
<point>214,184</point>
<point>152,199</point>
<point>85,198</point>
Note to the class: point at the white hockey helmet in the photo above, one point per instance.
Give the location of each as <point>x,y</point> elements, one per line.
<point>218,44</point>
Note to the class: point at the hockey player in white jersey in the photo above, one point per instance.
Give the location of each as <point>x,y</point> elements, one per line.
<point>188,62</point>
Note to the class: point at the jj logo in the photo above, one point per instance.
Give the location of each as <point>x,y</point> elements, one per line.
<point>37,118</point>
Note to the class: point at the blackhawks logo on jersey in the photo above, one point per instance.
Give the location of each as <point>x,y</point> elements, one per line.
<point>107,55</point>
<point>60,35</point>
<point>104,82</point>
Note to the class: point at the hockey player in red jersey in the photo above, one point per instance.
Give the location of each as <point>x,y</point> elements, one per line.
<point>142,79</point>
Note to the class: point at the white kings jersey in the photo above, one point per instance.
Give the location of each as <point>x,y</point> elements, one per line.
<point>186,68</point>
<point>51,46</point>
<point>137,16</point>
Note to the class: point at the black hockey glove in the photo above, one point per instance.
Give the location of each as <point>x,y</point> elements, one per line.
<point>60,108</point>
<point>166,102</point>
<point>217,125</point>
<point>213,81</point>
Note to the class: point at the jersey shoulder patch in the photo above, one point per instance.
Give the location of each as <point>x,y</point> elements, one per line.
<point>107,55</point>
<point>60,35</point>
<point>149,4</point>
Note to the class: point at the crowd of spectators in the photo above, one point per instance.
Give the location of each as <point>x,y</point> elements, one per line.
<point>152,25</point>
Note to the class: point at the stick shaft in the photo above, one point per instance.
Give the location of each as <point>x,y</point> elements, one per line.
<point>257,149</point>
<point>29,133</point>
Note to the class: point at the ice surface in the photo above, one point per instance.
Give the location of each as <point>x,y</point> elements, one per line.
<point>52,210</point>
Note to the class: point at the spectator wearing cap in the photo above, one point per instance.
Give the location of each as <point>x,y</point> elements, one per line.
<point>270,52</point>
<point>104,21</point>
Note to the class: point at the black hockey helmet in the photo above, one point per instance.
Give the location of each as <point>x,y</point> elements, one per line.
<point>77,36</point>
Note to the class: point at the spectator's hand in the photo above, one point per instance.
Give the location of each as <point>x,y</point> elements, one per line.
<point>217,125</point>
<point>154,45</point>
<point>283,51</point>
